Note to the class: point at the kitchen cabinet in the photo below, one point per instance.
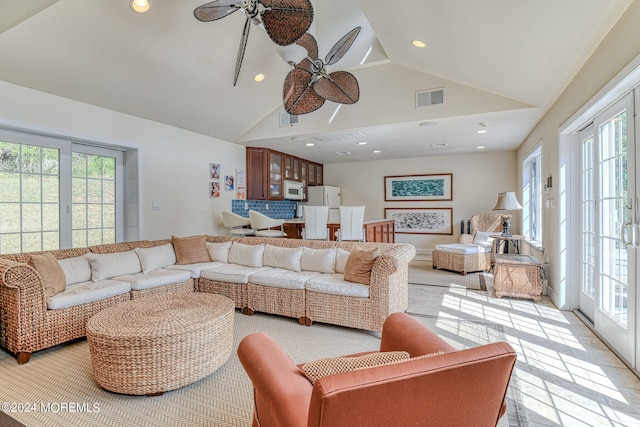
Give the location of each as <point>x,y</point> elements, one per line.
<point>267,169</point>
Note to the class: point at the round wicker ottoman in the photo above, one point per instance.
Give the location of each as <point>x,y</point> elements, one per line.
<point>156,344</point>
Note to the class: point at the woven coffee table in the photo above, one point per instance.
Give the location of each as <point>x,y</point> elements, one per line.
<point>149,346</point>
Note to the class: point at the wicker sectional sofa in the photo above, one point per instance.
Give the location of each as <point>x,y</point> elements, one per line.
<point>30,322</point>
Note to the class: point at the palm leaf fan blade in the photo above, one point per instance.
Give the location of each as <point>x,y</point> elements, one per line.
<point>308,42</point>
<point>241,49</point>
<point>216,10</point>
<point>341,47</point>
<point>339,86</point>
<point>287,20</point>
<point>298,94</point>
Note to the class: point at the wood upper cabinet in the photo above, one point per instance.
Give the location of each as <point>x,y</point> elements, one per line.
<point>276,162</point>
<point>267,169</point>
<point>257,179</point>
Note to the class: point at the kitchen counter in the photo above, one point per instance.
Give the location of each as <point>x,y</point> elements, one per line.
<point>380,230</point>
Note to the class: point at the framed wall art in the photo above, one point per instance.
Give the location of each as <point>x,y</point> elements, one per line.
<point>431,187</point>
<point>228,183</point>
<point>421,220</point>
<point>214,189</point>
<point>214,170</point>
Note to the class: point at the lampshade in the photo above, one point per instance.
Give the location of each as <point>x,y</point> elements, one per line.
<point>507,202</point>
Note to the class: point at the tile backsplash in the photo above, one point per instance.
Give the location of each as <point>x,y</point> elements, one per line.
<point>282,209</point>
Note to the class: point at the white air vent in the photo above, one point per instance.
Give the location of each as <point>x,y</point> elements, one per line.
<point>340,136</point>
<point>439,145</point>
<point>343,153</point>
<point>287,119</point>
<point>428,98</point>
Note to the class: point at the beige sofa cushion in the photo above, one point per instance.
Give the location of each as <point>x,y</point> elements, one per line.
<point>219,251</point>
<point>156,257</point>
<point>320,260</point>
<point>76,269</point>
<point>359,265</point>
<point>53,277</point>
<point>191,250</point>
<point>287,258</point>
<point>248,255</point>
<point>106,266</point>
<point>341,259</point>
<point>81,293</point>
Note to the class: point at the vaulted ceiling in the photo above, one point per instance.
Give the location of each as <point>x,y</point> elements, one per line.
<point>500,62</point>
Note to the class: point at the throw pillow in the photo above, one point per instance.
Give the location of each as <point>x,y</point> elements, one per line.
<point>287,258</point>
<point>322,260</point>
<point>337,365</point>
<point>483,237</point>
<point>359,265</point>
<point>219,251</point>
<point>156,257</point>
<point>249,255</point>
<point>76,269</point>
<point>52,274</point>
<point>105,266</point>
<point>191,250</point>
<point>341,260</point>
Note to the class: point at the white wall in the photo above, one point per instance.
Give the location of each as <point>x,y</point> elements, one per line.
<point>618,49</point>
<point>174,162</point>
<point>477,180</point>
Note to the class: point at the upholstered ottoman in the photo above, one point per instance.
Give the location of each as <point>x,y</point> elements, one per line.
<point>462,257</point>
<point>160,343</point>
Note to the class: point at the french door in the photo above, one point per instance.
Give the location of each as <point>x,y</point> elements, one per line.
<point>609,226</point>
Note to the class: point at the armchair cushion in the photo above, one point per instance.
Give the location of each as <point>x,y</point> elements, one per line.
<point>337,365</point>
<point>483,238</point>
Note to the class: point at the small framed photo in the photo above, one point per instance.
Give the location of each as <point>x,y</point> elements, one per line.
<point>214,189</point>
<point>214,170</point>
<point>228,183</point>
<point>421,220</point>
<point>241,194</point>
<point>429,187</point>
<point>240,178</point>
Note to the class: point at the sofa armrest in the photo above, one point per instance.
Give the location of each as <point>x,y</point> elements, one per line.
<point>23,304</point>
<point>402,332</point>
<point>281,391</point>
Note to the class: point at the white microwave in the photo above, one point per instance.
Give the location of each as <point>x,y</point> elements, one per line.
<point>293,190</point>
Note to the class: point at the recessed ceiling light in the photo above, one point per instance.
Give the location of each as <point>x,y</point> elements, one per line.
<point>140,6</point>
<point>480,147</point>
<point>428,124</point>
<point>376,151</point>
<point>258,78</point>
<point>418,43</point>
<point>309,144</point>
<point>482,131</point>
<point>362,143</point>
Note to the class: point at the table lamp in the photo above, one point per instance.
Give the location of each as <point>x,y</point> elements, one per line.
<point>507,202</point>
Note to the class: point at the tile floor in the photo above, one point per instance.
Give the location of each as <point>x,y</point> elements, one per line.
<point>567,376</point>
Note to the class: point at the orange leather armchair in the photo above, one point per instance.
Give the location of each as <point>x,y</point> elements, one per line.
<point>458,388</point>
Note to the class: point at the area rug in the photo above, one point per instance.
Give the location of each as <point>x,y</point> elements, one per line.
<point>57,387</point>
<point>422,273</point>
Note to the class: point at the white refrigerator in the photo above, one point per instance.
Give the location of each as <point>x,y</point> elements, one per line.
<point>325,195</point>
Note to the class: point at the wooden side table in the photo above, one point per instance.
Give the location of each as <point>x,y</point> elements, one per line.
<point>517,276</point>
<point>503,242</point>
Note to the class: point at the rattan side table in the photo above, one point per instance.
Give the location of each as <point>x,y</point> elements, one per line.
<point>517,276</point>
<point>156,344</point>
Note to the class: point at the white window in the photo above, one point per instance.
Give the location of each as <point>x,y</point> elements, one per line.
<point>532,195</point>
<point>57,194</point>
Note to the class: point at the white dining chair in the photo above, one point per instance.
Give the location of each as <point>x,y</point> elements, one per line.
<point>236,225</point>
<point>351,223</point>
<point>263,225</point>
<point>315,223</point>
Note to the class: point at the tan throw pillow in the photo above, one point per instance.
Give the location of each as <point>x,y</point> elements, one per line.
<point>190,250</point>
<point>52,274</point>
<point>359,265</point>
<point>337,365</point>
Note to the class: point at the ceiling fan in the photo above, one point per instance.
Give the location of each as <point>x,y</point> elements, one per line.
<point>284,20</point>
<point>308,85</point>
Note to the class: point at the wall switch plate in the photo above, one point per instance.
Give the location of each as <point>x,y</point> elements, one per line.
<point>266,206</point>
<point>246,206</point>
<point>155,205</point>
